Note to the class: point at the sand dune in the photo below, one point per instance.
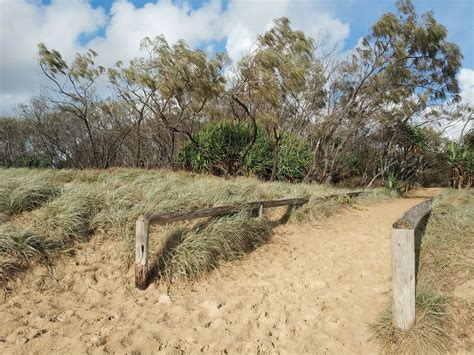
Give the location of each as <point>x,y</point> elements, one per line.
<point>313,288</point>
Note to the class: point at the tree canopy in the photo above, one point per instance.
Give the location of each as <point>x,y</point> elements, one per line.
<point>378,114</point>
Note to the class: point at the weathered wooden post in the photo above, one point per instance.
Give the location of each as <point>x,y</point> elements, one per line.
<point>403,278</point>
<point>403,265</point>
<point>141,253</point>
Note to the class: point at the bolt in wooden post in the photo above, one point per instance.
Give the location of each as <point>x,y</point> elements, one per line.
<point>403,277</point>
<point>141,253</point>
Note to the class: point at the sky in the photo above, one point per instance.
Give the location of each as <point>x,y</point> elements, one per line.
<point>114,28</point>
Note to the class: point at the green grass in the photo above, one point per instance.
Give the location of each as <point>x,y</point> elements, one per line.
<point>446,260</point>
<point>63,207</point>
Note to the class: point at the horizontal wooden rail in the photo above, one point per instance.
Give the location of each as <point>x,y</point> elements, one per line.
<point>162,218</point>
<point>403,264</point>
<point>144,221</point>
<point>411,218</point>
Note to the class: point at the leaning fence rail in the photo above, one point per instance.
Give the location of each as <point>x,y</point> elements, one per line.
<point>144,221</point>
<point>403,264</point>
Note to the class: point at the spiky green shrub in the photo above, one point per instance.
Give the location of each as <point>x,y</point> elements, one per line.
<point>294,158</point>
<point>392,182</point>
<point>460,159</point>
<point>188,254</point>
<point>33,160</point>
<point>258,161</point>
<point>219,150</point>
<point>222,150</point>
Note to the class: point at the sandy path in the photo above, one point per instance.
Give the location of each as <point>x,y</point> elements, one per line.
<point>312,289</point>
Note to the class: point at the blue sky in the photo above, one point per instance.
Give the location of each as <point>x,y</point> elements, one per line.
<point>114,29</point>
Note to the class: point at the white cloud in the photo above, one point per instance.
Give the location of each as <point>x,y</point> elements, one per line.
<point>244,20</point>
<point>129,25</point>
<point>25,23</point>
<point>466,82</point>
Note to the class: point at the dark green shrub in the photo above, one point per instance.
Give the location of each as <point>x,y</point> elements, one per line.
<point>32,160</point>
<point>221,149</point>
<point>258,161</point>
<point>294,158</point>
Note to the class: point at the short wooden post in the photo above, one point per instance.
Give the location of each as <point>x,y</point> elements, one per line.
<point>141,252</point>
<point>260,211</point>
<point>403,277</point>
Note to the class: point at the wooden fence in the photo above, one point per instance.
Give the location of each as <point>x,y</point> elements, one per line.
<point>403,264</point>
<point>143,223</point>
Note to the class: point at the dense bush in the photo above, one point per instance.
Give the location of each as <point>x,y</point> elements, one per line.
<point>294,158</point>
<point>221,149</point>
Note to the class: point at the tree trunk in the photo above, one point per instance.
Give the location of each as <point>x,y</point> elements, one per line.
<point>275,153</point>
<point>312,170</point>
<point>139,145</point>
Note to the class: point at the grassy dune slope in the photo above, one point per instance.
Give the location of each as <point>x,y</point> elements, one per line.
<point>43,212</point>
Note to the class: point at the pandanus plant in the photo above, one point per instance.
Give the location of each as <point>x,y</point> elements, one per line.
<point>461,162</point>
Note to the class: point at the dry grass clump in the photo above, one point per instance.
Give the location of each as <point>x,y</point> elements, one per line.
<point>428,335</point>
<point>445,261</point>
<point>8,267</point>
<point>22,244</point>
<point>188,254</point>
<point>68,217</point>
<point>447,255</point>
<point>60,222</point>
<point>18,247</point>
<point>25,193</point>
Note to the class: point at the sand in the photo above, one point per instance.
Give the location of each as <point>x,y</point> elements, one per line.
<point>312,289</point>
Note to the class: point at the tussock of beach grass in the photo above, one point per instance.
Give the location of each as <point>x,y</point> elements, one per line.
<point>66,206</point>
<point>68,217</point>
<point>25,194</point>
<point>428,335</point>
<point>187,254</point>
<point>19,248</point>
<point>445,262</point>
